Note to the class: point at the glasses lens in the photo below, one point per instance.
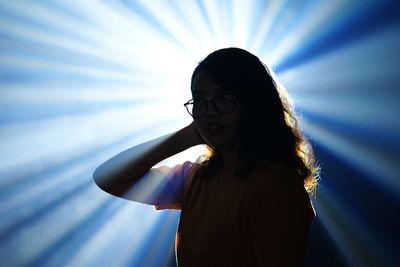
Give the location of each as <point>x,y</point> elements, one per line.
<point>225,103</point>
<point>198,108</point>
<point>222,104</point>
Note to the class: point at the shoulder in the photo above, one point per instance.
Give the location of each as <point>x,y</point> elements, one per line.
<point>278,177</point>
<point>279,220</point>
<point>281,190</point>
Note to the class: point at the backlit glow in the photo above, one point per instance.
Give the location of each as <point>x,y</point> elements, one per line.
<point>81,81</point>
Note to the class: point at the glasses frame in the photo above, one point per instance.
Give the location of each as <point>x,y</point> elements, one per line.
<point>211,100</point>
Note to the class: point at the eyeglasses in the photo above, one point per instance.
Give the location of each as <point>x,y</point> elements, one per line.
<point>223,104</point>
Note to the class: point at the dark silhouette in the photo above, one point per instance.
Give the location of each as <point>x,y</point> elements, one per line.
<point>245,202</point>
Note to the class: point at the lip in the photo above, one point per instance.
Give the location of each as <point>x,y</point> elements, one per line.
<point>214,129</point>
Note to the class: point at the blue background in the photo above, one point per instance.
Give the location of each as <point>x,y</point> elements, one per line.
<point>83,80</point>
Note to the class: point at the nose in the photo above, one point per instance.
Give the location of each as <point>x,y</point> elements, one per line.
<point>211,111</point>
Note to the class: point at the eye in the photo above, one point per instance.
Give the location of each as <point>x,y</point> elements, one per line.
<point>197,100</point>
<point>225,103</point>
<point>225,98</point>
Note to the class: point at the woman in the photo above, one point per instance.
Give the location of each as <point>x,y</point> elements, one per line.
<point>245,203</point>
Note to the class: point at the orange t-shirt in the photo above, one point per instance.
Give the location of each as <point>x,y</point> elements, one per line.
<point>238,221</point>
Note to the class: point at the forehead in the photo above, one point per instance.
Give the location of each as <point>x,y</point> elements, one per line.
<point>204,84</point>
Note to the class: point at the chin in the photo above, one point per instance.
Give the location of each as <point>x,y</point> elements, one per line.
<point>220,143</point>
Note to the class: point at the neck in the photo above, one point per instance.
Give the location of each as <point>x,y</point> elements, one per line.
<point>231,160</point>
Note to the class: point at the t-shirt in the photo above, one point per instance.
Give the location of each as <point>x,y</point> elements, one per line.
<point>237,221</point>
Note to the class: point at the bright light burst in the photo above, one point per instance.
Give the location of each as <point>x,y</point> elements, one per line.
<point>83,80</point>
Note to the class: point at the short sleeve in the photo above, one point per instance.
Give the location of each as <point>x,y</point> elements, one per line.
<point>170,193</point>
<point>162,187</point>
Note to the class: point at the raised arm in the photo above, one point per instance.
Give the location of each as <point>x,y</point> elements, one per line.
<point>122,171</point>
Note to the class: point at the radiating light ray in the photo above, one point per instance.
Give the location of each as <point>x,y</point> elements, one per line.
<point>128,77</point>
<point>364,109</point>
<point>85,95</point>
<point>218,20</point>
<point>44,66</point>
<point>36,159</point>
<point>164,230</point>
<point>29,155</point>
<point>169,50</point>
<point>239,17</point>
<point>145,223</point>
<point>345,70</point>
<point>354,23</point>
<point>168,18</point>
<point>84,233</point>
<point>362,102</point>
<point>81,81</point>
<point>25,34</point>
<point>41,190</point>
<point>265,25</point>
<point>367,159</point>
<point>282,22</point>
<point>196,25</point>
<point>53,136</point>
<point>61,108</point>
<point>22,252</point>
<point>117,50</point>
<point>348,232</point>
<point>309,28</point>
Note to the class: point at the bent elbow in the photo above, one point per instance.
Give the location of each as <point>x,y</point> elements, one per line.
<point>110,182</point>
<point>100,179</point>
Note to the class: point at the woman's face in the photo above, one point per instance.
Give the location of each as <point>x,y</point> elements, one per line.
<point>221,131</point>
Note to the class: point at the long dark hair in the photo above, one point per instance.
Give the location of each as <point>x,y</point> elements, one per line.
<point>270,131</point>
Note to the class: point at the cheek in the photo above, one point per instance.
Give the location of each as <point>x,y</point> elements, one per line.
<point>236,125</point>
<point>200,125</point>
<point>236,119</point>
